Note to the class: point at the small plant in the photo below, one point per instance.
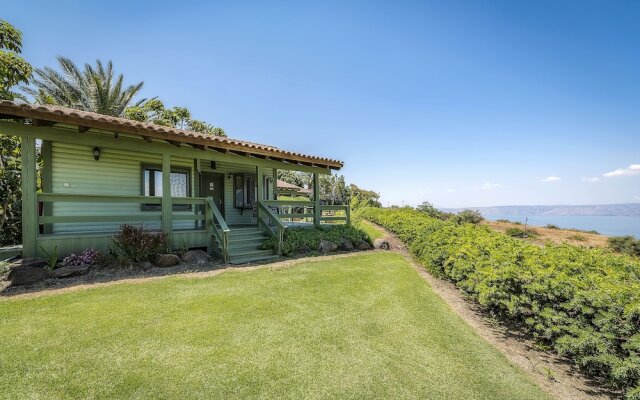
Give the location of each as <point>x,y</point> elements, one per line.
<point>88,257</point>
<point>503,220</point>
<point>552,226</point>
<point>134,244</point>
<point>521,233</point>
<point>52,257</point>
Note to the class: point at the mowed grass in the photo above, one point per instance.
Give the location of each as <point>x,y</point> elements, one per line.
<point>365,326</point>
<point>371,230</point>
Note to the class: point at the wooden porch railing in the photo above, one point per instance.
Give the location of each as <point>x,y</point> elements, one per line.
<point>336,213</point>
<point>265,216</point>
<point>139,216</point>
<point>217,226</point>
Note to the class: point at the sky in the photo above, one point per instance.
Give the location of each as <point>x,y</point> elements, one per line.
<point>460,103</point>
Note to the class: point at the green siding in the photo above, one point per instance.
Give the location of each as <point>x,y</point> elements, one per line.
<point>118,172</point>
<point>235,216</point>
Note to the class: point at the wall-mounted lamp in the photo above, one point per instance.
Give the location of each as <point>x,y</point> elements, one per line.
<point>229,175</point>
<point>96,153</point>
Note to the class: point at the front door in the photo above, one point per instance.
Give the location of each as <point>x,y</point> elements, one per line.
<point>212,185</point>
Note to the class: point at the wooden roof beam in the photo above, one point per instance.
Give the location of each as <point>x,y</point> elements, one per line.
<point>173,142</point>
<point>40,122</point>
<point>83,129</point>
<point>146,139</point>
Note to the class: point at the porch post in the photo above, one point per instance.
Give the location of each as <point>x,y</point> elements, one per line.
<point>260,191</point>
<point>167,204</point>
<point>196,188</point>
<point>29,203</point>
<point>275,184</point>
<point>316,199</point>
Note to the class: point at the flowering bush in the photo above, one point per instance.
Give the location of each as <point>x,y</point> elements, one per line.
<point>134,244</point>
<point>87,257</point>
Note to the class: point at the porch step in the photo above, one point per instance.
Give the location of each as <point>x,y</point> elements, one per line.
<point>244,245</point>
<point>251,259</point>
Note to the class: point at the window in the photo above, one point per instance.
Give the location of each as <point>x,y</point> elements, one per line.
<point>245,190</point>
<point>179,180</point>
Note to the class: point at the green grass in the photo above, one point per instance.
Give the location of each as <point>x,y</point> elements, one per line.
<point>359,327</point>
<point>371,230</point>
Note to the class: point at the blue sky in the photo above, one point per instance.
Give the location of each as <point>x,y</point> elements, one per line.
<point>462,103</point>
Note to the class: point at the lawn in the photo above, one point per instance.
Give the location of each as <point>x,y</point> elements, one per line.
<point>364,326</point>
<point>371,230</point>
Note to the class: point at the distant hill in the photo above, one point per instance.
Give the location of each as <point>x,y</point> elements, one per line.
<point>628,210</point>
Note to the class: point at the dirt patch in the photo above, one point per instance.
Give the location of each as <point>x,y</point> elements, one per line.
<point>557,236</point>
<point>551,372</point>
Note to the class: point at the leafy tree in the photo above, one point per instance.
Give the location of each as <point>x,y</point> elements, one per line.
<point>13,68</point>
<point>468,217</point>
<point>297,178</point>
<point>96,88</point>
<point>10,191</point>
<point>333,189</point>
<point>362,198</point>
<point>428,208</point>
<point>13,71</point>
<point>154,111</point>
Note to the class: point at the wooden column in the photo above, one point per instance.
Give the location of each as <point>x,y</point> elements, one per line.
<point>46,176</point>
<point>196,188</point>
<point>316,199</point>
<point>260,191</point>
<point>167,204</point>
<point>275,184</point>
<point>29,201</point>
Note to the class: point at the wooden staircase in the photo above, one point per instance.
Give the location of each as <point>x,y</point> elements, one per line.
<point>244,245</point>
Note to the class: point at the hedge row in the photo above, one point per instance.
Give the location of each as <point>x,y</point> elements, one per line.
<point>295,238</point>
<point>584,303</point>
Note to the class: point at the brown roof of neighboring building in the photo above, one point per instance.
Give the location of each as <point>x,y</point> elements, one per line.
<point>286,185</point>
<point>87,120</point>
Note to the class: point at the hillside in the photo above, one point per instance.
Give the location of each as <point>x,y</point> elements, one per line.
<point>626,210</point>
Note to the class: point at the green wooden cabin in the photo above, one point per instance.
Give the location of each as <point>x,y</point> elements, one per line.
<point>99,172</point>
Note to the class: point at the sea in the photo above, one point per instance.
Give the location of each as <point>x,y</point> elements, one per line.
<point>605,225</point>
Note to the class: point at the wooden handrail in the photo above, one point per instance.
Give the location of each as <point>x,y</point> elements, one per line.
<point>214,216</point>
<point>345,208</point>
<point>99,198</point>
<point>279,234</point>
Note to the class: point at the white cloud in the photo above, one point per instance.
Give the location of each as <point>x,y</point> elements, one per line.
<point>450,191</point>
<point>551,179</point>
<point>489,186</point>
<point>633,169</point>
<point>592,179</point>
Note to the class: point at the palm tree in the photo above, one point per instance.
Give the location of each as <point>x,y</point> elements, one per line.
<point>93,89</point>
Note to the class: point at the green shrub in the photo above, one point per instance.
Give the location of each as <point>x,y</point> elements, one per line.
<point>297,237</point>
<point>134,244</point>
<point>552,226</point>
<point>625,244</point>
<point>582,302</point>
<point>503,220</point>
<point>468,217</point>
<point>520,233</point>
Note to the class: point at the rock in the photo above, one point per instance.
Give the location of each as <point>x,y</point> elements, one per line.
<point>146,265</point>
<point>26,275</point>
<point>345,245</point>
<point>29,262</point>
<point>167,260</point>
<point>326,246</point>
<point>363,245</point>
<point>69,271</point>
<point>303,249</point>
<point>381,244</point>
<point>196,257</point>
